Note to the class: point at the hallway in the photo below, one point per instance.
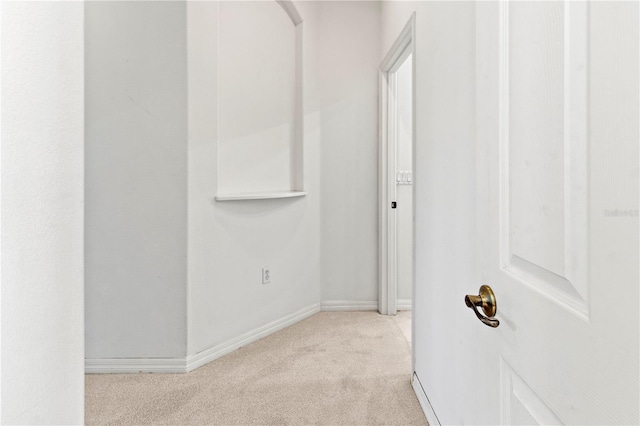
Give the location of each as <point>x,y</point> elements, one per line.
<point>346,368</point>
<point>182,178</point>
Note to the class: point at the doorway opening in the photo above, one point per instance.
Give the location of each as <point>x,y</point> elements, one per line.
<point>396,179</point>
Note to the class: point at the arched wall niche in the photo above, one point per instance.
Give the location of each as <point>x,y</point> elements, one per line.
<point>260,134</point>
<point>291,10</point>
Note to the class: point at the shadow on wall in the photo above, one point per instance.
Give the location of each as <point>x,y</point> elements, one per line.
<point>258,226</point>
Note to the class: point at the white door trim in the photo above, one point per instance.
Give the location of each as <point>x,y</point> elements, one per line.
<point>401,49</point>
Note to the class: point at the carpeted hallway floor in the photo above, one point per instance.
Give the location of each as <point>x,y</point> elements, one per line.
<point>335,368</point>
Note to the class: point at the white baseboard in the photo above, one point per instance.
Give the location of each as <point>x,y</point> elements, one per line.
<point>135,365</point>
<point>361,305</point>
<point>424,401</point>
<point>208,355</point>
<point>349,305</point>
<point>184,365</point>
<point>403,304</point>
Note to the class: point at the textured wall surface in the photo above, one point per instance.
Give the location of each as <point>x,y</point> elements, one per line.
<point>444,175</point>
<point>136,179</point>
<point>42,213</point>
<point>230,241</point>
<point>348,60</point>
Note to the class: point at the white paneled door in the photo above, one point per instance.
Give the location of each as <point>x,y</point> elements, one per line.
<point>557,219</point>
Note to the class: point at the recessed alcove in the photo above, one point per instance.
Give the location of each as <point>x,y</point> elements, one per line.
<point>260,101</point>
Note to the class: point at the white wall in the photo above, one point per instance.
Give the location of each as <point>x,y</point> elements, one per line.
<point>230,241</point>
<point>166,263</point>
<point>256,64</point>
<point>42,213</point>
<point>348,60</point>
<point>444,175</point>
<point>135,297</point>
<point>136,179</point>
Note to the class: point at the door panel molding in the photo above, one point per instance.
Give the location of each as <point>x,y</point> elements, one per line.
<point>547,175</point>
<point>520,403</point>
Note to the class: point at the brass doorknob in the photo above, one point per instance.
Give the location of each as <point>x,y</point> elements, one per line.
<point>487,301</point>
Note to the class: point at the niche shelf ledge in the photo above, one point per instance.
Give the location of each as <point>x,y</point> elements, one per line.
<point>260,195</point>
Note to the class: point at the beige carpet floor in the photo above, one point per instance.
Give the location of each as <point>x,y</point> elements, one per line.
<point>335,368</point>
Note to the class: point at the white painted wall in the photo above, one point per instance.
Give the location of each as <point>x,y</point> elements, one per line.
<point>348,60</point>
<point>42,212</point>
<point>136,179</point>
<point>256,65</point>
<point>444,175</point>
<point>136,289</point>
<point>230,241</point>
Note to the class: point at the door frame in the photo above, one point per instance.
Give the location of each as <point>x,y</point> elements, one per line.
<point>387,232</point>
